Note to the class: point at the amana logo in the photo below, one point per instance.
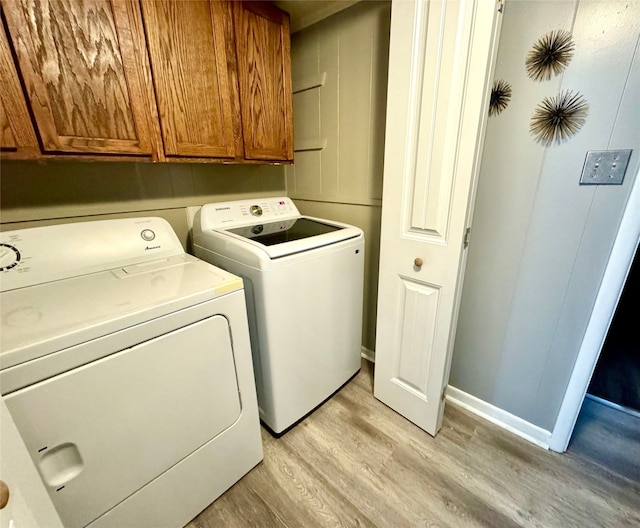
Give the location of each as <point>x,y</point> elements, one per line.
<point>149,248</point>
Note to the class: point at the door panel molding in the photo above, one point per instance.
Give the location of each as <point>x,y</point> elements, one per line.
<point>418,309</point>
<point>439,81</point>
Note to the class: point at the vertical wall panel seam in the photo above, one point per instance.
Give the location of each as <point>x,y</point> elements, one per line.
<point>528,229</point>
<point>564,297</point>
<point>634,58</point>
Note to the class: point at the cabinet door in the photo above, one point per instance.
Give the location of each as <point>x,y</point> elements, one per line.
<point>16,130</point>
<point>196,92</point>
<point>86,73</point>
<point>263,46</point>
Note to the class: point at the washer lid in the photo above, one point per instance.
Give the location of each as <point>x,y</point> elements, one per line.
<point>295,235</point>
<point>274,233</point>
<point>45,318</point>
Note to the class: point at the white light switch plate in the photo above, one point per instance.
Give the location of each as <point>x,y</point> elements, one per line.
<point>605,167</point>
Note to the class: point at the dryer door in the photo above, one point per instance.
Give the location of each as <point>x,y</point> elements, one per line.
<point>101,432</point>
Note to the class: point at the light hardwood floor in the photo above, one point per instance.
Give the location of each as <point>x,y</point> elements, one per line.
<point>608,436</point>
<point>355,462</point>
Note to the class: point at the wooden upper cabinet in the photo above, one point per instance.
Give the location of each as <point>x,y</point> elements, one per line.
<point>263,45</point>
<point>191,49</point>
<point>86,73</point>
<point>7,138</point>
<point>155,78</point>
<point>16,130</point>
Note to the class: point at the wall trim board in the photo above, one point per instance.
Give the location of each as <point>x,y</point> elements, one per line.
<point>309,81</point>
<point>526,430</point>
<point>374,202</point>
<point>30,217</point>
<point>530,432</point>
<point>367,354</point>
<point>304,145</point>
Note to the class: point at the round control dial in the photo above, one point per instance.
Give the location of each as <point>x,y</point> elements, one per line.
<point>9,257</point>
<point>255,210</point>
<point>148,235</point>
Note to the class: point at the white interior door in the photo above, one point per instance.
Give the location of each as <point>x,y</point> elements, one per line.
<point>440,69</point>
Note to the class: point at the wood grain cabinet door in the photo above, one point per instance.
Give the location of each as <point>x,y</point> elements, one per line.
<point>191,51</point>
<point>16,130</point>
<point>263,47</point>
<point>86,73</point>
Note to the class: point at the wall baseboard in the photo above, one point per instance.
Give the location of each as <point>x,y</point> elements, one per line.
<point>530,432</point>
<point>526,430</point>
<point>367,354</point>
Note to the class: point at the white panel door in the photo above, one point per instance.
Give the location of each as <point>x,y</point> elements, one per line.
<point>440,70</point>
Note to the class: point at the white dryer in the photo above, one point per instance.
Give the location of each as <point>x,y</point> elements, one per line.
<point>126,366</point>
<point>303,281</point>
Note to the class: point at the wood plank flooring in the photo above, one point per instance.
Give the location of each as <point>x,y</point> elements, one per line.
<point>356,463</point>
<point>608,436</point>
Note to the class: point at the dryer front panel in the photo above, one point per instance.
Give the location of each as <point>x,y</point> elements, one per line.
<point>100,432</point>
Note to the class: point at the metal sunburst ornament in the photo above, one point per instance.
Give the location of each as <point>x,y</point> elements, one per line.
<point>558,118</point>
<point>500,97</point>
<point>550,55</point>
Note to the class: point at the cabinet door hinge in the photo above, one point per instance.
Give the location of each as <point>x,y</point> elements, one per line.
<point>467,237</point>
<point>500,7</point>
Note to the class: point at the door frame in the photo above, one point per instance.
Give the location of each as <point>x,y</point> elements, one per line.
<point>604,308</point>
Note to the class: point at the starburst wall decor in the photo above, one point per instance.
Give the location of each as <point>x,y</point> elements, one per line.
<point>550,55</point>
<point>500,97</point>
<point>558,118</point>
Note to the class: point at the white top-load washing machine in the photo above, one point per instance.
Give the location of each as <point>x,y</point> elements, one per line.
<point>126,366</point>
<point>303,282</point>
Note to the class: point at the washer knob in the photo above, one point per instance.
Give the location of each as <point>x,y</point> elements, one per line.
<point>255,210</point>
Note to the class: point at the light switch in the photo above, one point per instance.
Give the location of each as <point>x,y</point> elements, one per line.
<point>605,167</point>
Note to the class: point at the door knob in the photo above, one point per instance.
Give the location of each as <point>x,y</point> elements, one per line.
<point>418,262</point>
<point>4,494</point>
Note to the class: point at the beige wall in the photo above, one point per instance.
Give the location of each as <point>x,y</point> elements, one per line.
<point>34,193</point>
<point>339,70</point>
<point>540,241</point>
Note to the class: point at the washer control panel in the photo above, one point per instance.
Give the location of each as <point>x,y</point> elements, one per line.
<point>43,254</point>
<point>246,212</point>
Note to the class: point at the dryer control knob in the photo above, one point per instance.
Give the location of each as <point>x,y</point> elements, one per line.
<point>255,210</point>
<point>148,235</point>
<point>9,257</point>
